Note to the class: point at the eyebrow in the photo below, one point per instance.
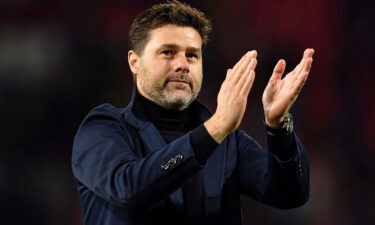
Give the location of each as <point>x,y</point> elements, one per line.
<point>174,46</point>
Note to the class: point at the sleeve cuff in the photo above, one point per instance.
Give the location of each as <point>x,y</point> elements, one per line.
<point>283,146</point>
<point>203,144</point>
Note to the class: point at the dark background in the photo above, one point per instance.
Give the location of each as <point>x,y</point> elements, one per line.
<point>59,59</point>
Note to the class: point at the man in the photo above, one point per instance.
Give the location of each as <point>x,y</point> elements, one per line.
<point>165,159</point>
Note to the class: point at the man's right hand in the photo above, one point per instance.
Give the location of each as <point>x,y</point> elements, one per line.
<point>232,98</point>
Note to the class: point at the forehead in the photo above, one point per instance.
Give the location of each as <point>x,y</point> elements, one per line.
<point>184,37</point>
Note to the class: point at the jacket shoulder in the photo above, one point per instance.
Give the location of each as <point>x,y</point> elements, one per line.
<point>104,112</point>
<point>105,109</point>
<point>103,120</point>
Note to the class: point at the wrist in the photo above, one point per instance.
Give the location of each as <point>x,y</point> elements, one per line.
<point>215,129</point>
<point>282,129</point>
<point>274,123</point>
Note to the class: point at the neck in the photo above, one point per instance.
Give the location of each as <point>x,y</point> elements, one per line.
<point>161,117</point>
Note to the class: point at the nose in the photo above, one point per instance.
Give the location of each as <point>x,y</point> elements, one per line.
<point>180,63</point>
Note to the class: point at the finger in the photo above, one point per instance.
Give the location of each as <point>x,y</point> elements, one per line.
<point>303,75</point>
<point>251,66</point>
<point>242,69</point>
<point>229,74</point>
<point>235,67</point>
<point>300,64</point>
<point>307,66</point>
<point>243,77</point>
<point>307,53</point>
<point>251,54</point>
<point>248,84</point>
<point>253,63</point>
<point>278,70</point>
<point>239,63</point>
<point>242,80</point>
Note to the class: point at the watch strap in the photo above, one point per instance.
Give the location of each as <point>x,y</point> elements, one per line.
<point>285,129</point>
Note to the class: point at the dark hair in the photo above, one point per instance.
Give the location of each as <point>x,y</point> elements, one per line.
<point>171,12</point>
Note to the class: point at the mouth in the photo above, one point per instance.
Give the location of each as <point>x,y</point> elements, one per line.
<point>179,81</point>
<point>180,84</point>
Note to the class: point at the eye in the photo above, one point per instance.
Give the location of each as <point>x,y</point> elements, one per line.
<point>167,52</point>
<point>192,56</point>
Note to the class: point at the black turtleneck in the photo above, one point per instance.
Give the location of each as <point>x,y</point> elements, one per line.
<point>170,123</point>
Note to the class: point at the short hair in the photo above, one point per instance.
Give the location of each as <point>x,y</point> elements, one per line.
<point>171,12</point>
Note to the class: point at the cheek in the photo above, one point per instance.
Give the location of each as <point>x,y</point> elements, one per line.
<point>153,74</point>
<point>159,71</point>
<point>153,80</point>
<point>197,77</point>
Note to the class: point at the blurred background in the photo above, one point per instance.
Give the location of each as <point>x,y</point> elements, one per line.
<point>59,59</point>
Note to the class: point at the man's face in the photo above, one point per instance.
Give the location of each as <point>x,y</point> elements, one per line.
<point>170,68</point>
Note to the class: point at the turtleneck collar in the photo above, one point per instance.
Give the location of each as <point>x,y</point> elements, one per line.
<point>163,119</point>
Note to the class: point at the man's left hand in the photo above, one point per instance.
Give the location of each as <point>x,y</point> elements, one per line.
<point>280,94</point>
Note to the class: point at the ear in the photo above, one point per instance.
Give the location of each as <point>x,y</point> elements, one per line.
<point>133,60</point>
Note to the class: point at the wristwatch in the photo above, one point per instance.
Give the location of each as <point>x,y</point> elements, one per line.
<point>285,129</point>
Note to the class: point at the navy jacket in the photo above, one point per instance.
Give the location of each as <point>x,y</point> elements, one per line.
<point>128,175</point>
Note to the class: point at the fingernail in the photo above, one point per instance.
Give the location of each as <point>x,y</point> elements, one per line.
<point>254,53</point>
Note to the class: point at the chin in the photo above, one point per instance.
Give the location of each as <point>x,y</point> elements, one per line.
<point>179,101</point>
<point>180,94</point>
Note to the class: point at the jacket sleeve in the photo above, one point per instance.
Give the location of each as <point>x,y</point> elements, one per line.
<point>266,178</point>
<point>104,160</point>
